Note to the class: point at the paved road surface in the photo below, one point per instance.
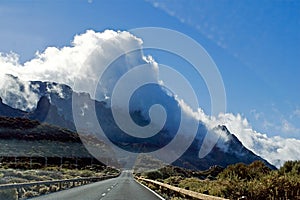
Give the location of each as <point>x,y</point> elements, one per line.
<point>123,187</point>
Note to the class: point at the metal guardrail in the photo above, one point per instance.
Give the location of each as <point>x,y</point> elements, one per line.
<point>182,191</point>
<point>68,183</point>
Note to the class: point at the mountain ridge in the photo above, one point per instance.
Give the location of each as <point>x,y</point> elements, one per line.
<point>55,107</point>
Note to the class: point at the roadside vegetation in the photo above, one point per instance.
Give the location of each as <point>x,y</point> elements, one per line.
<point>254,181</point>
<point>10,175</point>
<point>31,151</point>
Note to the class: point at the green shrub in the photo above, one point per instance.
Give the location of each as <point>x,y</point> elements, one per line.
<point>292,167</point>
<point>154,175</point>
<point>174,180</point>
<point>255,170</point>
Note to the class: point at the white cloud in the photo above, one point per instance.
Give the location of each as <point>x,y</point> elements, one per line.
<point>81,62</point>
<point>18,92</point>
<point>55,89</point>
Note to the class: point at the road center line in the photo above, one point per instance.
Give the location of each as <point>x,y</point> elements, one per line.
<point>108,190</point>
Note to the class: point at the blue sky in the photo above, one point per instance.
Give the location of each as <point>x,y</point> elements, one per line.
<point>255,44</point>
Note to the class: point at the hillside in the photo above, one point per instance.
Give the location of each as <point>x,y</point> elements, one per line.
<point>31,130</point>
<point>21,137</point>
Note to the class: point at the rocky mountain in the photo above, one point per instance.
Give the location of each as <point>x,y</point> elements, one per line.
<point>54,106</point>
<point>8,111</point>
<point>235,152</point>
<point>46,112</point>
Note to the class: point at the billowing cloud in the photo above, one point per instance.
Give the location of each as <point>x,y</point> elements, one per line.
<point>80,63</point>
<point>19,92</point>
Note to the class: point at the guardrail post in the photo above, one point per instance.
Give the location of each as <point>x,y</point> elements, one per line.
<point>46,161</point>
<point>19,191</point>
<point>76,161</point>
<point>61,162</point>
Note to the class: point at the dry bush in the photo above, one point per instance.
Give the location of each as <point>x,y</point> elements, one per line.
<point>30,194</point>
<point>54,188</point>
<point>44,190</point>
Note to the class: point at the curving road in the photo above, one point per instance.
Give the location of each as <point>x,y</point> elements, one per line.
<point>123,187</point>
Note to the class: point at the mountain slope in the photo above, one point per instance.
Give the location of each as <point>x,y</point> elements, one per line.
<point>55,107</point>
<point>8,111</point>
<point>26,129</point>
<point>235,152</point>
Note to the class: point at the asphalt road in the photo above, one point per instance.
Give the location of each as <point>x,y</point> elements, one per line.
<point>123,187</point>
